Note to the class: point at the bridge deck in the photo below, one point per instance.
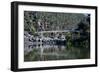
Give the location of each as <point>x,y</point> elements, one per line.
<point>56,31</point>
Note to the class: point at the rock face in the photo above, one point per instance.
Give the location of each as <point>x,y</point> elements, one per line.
<point>27,42</point>
<point>49,35</point>
<point>34,20</point>
<point>31,42</point>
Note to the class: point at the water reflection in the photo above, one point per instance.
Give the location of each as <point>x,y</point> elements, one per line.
<point>45,52</point>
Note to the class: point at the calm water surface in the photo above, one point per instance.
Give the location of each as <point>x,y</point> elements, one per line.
<point>45,52</point>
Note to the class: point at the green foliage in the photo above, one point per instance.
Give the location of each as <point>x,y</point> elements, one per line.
<point>69,43</point>
<point>54,21</point>
<point>75,47</point>
<point>84,39</point>
<point>30,22</point>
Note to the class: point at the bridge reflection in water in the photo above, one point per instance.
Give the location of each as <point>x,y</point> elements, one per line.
<point>45,52</point>
<point>43,48</point>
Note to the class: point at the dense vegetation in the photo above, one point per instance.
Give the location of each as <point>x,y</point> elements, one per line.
<point>52,21</point>
<point>77,41</point>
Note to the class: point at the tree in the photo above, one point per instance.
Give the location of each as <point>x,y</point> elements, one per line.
<point>84,39</point>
